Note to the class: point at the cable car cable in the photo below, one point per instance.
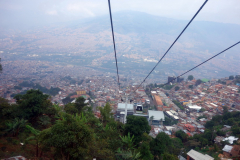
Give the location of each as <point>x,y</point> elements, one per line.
<point>114,46</point>
<point>203,62</point>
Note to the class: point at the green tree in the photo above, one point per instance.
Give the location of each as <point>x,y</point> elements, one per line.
<point>203,141</point>
<point>198,82</point>
<point>209,124</point>
<point>220,133</point>
<point>190,77</point>
<point>44,121</point>
<point>127,155</point>
<point>167,156</point>
<point>5,108</point>
<point>169,121</point>
<point>106,114</point>
<point>128,142</point>
<point>100,150</point>
<point>235,130</point>
<point>210,135</point>
<point>70,137</point>
<point>33,104</point>
<point>231,77</point>
<point>145,152</point>
<point>176,147</point>
<point>137,126</point>
<point>227,115</point>
<point>34,137</point>
<point>192,143</point>
<point>160,144</point>
<point>177,88</point>
<point>230,121</point>
<point>127,151</point>
<point>225,109</point>
<point>182,135</point>
<point>144,147</point>
<point>110,134</point>
<point>15,126</point>
<point>57,111</point>
<point>70,109</point>
<point>80,104</point>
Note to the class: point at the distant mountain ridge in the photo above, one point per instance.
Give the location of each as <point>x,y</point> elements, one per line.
<point>156,24</point>
<point>203,34</point>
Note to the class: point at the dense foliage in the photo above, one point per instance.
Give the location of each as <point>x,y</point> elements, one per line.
<point>137,126</point>
<point>198,82</point>
<point>228,118</point>
<point>73,132</point>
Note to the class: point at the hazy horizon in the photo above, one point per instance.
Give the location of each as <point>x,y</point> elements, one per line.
<point>28,13</point>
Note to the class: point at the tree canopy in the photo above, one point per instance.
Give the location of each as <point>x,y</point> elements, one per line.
<point>33,104</point>
<point>106,114</point>
<point>190,77</point>
<point>160,144</point>
<point>80,104</point>
<point>177,88</point>
<point>4,108</point>
<point>70,137</point>
<point>137,126</point>
<point>231,77</point>
<point>198,82</point>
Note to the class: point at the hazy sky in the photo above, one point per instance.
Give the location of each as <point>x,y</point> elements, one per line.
<point>16,12</point>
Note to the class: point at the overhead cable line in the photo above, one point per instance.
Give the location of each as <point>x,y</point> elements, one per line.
<point>114,46</point>
<point>203,62</point>
<point>172,44</point>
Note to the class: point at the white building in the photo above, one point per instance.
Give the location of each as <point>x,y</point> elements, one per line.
<point>158,116</point>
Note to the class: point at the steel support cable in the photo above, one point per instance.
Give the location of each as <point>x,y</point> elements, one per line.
<point>204,62</point>
<point>114,46</point>
<point>173,43</point>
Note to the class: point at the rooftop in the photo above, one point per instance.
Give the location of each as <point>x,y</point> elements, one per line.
<point>204,80</point>
<point>157,115</point>
<point>121,106</point>
<point>199,156</point>
<point>230,139</point>
<point>227,148</point>
<point>158,100</point>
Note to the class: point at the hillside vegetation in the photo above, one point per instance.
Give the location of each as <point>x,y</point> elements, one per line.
<point>35,128</point>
